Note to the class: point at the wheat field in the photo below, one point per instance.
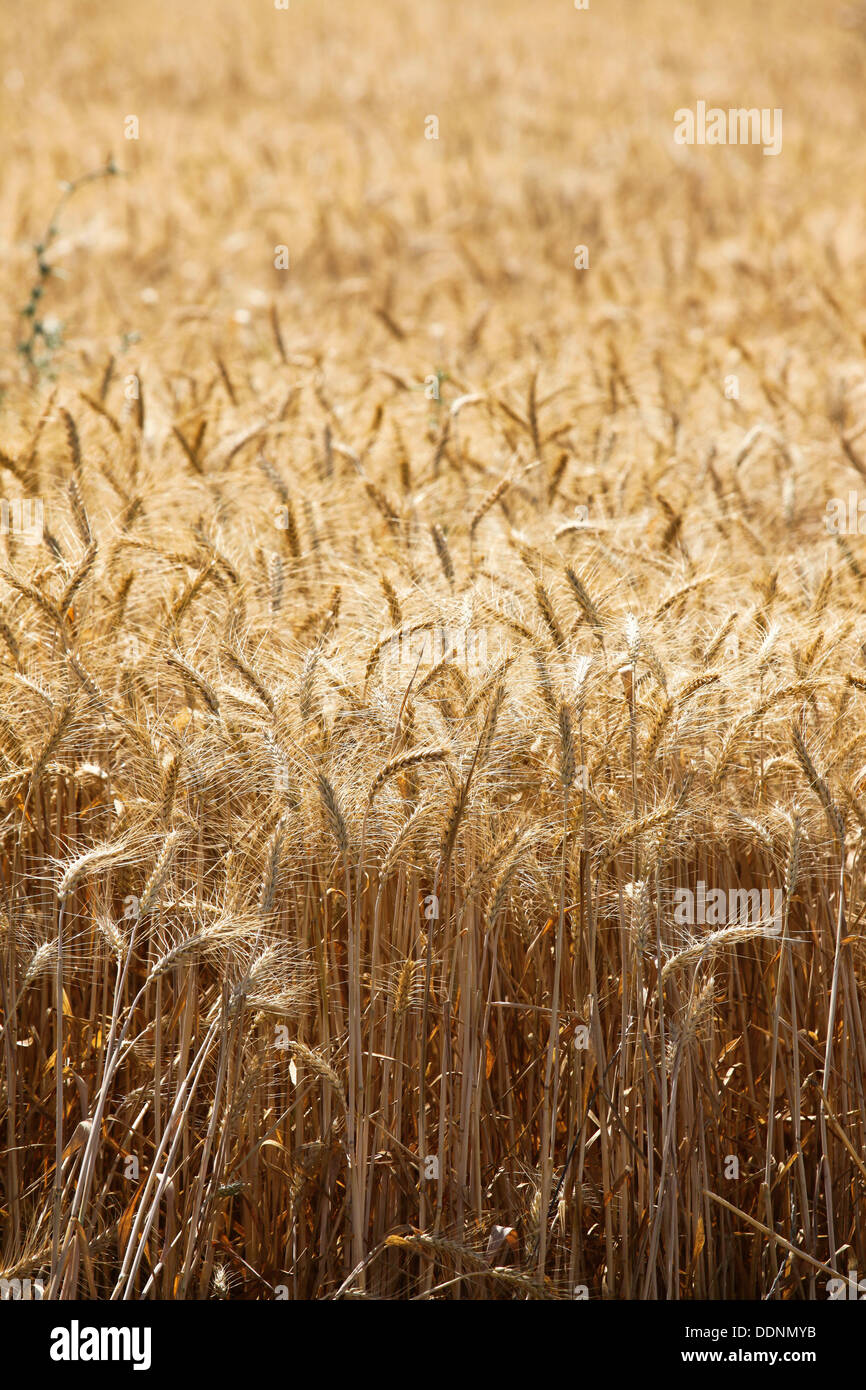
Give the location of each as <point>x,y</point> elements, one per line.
<point>435,606</point>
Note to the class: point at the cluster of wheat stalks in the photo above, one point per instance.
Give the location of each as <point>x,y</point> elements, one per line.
<point>407,630</point>
<point>292,905</point>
